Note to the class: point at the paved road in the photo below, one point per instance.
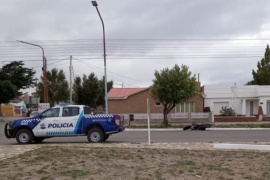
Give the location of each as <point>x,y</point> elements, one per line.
<point>166,136</point>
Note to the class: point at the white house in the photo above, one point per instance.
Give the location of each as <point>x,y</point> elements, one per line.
<point>245,99</point>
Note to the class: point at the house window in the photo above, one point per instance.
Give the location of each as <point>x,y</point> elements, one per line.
<point>185,107</point>
<point>158,103</point>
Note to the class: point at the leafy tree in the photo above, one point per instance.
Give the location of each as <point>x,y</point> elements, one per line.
<point>87,90</point>
<point>58,89</point>
<point>7,92</point>
<point>262,75</point>
<point>18,75</point>
<point>77,91</point>
<point>173,86</point>
<point>90,91</point>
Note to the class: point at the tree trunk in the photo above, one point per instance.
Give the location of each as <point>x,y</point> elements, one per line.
<point>165,117</point>
<point>1,114</point>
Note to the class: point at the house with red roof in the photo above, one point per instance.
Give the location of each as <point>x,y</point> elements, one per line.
<point>134,100</point>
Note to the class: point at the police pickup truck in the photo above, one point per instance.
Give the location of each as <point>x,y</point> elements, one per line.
<point>65,121</point>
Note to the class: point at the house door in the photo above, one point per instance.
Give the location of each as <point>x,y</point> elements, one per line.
<point>251,108</point>
<point>268,108</point>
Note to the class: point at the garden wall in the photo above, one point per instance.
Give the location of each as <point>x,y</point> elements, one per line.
<point>235,119</point>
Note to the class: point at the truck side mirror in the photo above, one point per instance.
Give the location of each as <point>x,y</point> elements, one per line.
<point>43,116</point>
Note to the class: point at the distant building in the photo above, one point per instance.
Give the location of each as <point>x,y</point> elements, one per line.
<point>19,105</point>
<point>245,99</point>
<point>133,100</point>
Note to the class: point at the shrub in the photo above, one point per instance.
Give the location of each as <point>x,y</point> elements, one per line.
<point>226,111</point>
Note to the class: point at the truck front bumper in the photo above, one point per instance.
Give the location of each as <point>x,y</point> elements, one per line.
<point>8,131</point>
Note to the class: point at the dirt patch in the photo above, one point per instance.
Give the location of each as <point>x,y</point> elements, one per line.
<point>74,161</point>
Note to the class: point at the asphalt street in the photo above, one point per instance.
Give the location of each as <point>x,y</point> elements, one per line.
<point>162,136</point>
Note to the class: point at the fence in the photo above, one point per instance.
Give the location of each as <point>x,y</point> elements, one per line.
<point>10,111</point>
<point>173,118</point>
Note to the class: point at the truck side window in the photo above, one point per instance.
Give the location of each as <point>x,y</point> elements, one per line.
<point>65,112</point>
<point>75,111</point>
<point>51,113</point>
<point>70,111</point>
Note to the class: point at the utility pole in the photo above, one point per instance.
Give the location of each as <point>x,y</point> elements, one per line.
<point>36,96</point>
<point>46,97</point>
<point>70,80</point>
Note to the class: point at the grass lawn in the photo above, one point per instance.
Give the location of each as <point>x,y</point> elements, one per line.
<point>75,162</point>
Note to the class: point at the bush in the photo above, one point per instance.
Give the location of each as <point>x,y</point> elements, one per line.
<point>225,111</point>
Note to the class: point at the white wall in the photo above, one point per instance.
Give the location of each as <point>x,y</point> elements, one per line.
<point>210,103</point>
<point>236,95</point>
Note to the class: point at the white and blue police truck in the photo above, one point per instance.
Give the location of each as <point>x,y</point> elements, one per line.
<point>65,121</point>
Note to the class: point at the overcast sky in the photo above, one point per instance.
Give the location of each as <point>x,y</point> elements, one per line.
<point>221,40</point>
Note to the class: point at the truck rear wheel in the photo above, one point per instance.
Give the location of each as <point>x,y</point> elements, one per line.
<point>24,136</point>
<point>95,135</point>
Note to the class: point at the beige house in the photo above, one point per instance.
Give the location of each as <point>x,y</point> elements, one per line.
<point>134,100</point>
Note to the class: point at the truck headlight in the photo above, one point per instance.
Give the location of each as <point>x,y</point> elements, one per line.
<point>11,123</point>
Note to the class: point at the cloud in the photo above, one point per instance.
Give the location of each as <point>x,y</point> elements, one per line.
<point>141,37</point>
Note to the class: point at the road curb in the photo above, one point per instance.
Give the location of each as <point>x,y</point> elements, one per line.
<point>181,129</point>
<point>241,147</point>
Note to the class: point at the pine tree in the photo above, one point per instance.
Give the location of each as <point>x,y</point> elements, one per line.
<point>262,75</point>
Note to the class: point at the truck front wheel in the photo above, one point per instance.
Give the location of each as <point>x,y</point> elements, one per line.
<point>24,136</point>
<point>106,137</point>
<point>38,140</point>
<point>95,135</point>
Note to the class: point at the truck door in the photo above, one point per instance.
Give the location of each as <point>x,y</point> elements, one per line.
<point>71,120</point>
<point>50,124</point>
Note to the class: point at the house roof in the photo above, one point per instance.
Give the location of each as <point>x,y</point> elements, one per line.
<point>123,93</point>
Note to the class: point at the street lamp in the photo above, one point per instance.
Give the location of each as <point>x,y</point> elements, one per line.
<point>94,3</point>
<point>44,69</point>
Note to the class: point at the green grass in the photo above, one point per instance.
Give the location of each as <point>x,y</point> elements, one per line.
<point>186,163</point>
<point>74,173</point>
<point>255,125</point>
<point>134,163</point>
<point>41,171</point>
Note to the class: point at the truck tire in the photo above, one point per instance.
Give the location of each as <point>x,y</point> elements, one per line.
<point>106,137</point>
<point>38,140</point>
<point>24,136</point>
<point>95,135</point>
